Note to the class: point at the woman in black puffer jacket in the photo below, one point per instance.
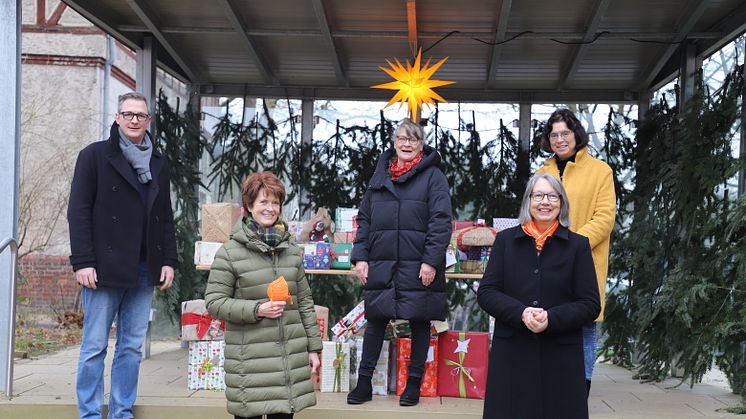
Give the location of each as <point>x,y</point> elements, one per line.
<point>404,226</point>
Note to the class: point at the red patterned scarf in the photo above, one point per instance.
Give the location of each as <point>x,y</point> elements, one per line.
<point>397,171</point>
<point>539,236</point>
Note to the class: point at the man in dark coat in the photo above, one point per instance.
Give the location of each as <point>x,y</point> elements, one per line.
<point>536,368</point>
<point>122,241</point>
<point>404,226</point>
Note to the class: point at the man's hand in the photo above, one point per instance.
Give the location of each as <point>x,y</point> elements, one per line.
<point>427,274</point>
<point>87,277</point>
<point>361,271</point>
<point>167,277</point>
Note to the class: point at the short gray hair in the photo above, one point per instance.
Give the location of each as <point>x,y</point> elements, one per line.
<point>131,95</point>
<point>411,129</point>
<point>524,215</point>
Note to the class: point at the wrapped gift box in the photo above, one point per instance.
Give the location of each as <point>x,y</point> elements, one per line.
<point>205,371</point>
<point>472,266</point>
<point>204,252</point>
<point>380,373</point>
<point>397,329</point>
<point>438,326</point>
<point>346,219</point>
<point>335,367</point>
<point>350,324</point>
<point>345,236</point>
<point>501,224</point>
<point>316,255</point>
<point>322,319</point>
<point>341,253</point>
<point>479,235</point>
<point>462,366</point>
<point>452,258</point>
<point>429,385</point>
<point>458,225</point>
<point>197,324</point>
<point>295,228</point>
<point>218,220</point>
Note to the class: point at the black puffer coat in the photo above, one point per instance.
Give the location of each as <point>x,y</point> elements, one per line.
<point>402,224</point>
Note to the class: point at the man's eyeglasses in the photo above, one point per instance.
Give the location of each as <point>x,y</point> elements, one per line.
<point>131,115</point>
<point>539,196</point>
<point>564,134</point>
<point>403,139</point>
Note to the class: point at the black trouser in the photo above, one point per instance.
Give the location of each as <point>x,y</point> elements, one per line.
<point>373,341</point>
<point>272,416</point>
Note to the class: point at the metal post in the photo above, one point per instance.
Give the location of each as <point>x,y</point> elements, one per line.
<point>145,70</point>
<point>742,151</point>
<point>306,141</point>
<point>688,72</point>
<point>10,102</point>
<point>523,166</point>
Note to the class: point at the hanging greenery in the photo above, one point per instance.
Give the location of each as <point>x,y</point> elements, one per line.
<point>178,135</point>
<point>678,261</point>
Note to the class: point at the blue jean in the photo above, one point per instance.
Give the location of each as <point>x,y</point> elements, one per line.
<point>589,349</point>
<point>131,306</point>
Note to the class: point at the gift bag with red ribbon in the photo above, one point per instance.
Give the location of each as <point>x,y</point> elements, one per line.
<point>197,324</point>
<point>462,366</point>
<point>429,385</point>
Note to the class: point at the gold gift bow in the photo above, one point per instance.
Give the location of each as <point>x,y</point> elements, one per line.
<point>460,369</point>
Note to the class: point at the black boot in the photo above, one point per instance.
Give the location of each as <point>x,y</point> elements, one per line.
<point>588,386</point>
<point>411,394</point>
<point>362,393</point>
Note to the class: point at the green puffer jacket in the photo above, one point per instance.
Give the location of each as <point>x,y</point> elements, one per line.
<point>266,360</point>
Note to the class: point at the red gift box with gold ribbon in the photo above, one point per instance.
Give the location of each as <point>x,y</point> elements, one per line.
<point>462,366</point>
<point>429,385</point>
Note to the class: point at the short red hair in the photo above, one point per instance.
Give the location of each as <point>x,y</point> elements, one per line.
<point>255,182</point>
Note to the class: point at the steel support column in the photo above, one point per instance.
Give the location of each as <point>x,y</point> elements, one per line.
<point>306,140</point>
<point>10,102</point>
<point>523,167</point>
<point>145,70</point>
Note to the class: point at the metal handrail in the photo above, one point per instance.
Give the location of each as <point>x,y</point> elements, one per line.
<point>12,324</point>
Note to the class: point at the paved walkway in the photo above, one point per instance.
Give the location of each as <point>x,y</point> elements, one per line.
<point>47,385</point>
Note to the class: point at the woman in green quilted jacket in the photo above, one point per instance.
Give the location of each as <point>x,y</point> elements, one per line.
<point>270,346</point>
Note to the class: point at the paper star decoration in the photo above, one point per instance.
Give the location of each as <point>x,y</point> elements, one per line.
<point>413,84</point>
<point>462,346</point>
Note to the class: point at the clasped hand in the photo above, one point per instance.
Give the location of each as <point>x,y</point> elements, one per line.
<point>536,319</point>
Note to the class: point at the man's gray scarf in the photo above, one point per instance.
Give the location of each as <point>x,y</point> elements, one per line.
<point>138,155</point>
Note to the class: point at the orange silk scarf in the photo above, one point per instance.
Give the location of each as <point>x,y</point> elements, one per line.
<point>540,237</point>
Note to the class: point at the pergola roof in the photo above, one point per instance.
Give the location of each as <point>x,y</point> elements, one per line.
<point>551,51</point>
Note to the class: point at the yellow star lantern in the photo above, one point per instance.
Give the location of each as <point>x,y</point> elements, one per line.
<point>413,84</point>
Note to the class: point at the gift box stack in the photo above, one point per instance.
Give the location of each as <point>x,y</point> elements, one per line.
<point>344,235</point>
<point>217,223</point>
<point>206,346</point>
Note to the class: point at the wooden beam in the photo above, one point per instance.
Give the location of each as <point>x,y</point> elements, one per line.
<point>143,11</point>
<point>321,17</point>
<point>412,26</point>
<point>686,22</point>
<point>578,53</point>
<point>261,63</point>
<point>500,31</point>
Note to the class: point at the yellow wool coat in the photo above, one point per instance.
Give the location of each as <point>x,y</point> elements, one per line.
<point>589,184</point>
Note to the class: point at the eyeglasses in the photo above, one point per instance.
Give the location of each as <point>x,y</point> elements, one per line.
<point>564,134</point>
<point>403,139</point>
<point>539,196</point>
<point>130,116</point>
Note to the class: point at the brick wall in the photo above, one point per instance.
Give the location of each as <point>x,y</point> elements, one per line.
<point>47,281</point>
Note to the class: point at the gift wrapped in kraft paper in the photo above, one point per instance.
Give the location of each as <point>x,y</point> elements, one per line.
<point>218,220</point>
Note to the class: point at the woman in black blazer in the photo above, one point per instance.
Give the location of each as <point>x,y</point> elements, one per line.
<point>540,286</point>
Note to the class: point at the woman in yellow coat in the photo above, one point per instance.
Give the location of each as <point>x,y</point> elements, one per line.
<point>589,183</point>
